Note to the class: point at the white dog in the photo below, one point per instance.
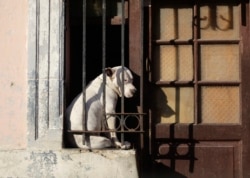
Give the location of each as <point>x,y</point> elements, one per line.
<point>94,106</point>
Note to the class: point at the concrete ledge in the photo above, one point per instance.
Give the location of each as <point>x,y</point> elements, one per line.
<point>68,163</point>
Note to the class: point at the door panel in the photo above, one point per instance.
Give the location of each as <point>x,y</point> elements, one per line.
<point>213,159</point>
<point>198,80</point>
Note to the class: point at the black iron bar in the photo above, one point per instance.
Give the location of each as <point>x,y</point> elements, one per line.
<point>79,132</point>
<point>141,123</point>
<point>130,113</point>
<point>122,63</point>
<point>104,61</point>
<point>84,69</point>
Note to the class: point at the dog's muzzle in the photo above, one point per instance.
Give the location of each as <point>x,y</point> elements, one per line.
<point>133,91</point>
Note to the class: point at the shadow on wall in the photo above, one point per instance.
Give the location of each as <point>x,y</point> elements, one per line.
<point>168,151</point>
<point>158,102</point>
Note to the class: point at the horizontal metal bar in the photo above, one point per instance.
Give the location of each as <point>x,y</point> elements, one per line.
<point>224,83</point>
<point>101,131</point>
<point>217,41</point>
<point>174,83</point>
<point>172,42</point>
<point>191,41</point>
<point>126,113</point>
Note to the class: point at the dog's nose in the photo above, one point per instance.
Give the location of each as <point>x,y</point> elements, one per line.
<point>133,90</point>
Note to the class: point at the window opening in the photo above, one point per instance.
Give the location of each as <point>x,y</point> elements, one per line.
<point>103,27</point>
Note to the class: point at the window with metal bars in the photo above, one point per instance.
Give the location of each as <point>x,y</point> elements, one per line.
<point>97,38</point>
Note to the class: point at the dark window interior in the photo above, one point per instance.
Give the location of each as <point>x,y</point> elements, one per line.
<point>93,43</point>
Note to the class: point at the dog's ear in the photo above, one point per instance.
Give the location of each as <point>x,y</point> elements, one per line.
<point>109,72</point>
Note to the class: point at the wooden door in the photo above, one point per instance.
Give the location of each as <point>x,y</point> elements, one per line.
<point>199,88</point>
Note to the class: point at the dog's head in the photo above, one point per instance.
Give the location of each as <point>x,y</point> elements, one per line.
<point>115,76</point>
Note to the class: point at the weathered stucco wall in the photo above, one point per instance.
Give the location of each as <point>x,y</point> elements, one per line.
<point>23,153</point>
<point>13,73</point>
<point>68,164</point>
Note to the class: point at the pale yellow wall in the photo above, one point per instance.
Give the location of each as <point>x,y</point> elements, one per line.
<point>13,77</point>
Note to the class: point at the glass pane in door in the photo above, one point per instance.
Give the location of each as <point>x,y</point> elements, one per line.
<point>220,104</point>
<point>173,22</point>
<point>174,105</point>
<point>173,63</point>
<point>220,62</point>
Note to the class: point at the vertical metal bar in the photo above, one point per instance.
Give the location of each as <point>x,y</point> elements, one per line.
<point>84,69</point>
<point>104,60</point>
<point>122,63</point>
<point>68,63</point>
<point>196,63</point>
<point>141,72</point>
<point>150,122</point>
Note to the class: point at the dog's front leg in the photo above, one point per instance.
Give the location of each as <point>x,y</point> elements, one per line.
<point>111,121</point>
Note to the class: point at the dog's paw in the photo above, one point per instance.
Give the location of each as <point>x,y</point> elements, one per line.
<point>126,146</point>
